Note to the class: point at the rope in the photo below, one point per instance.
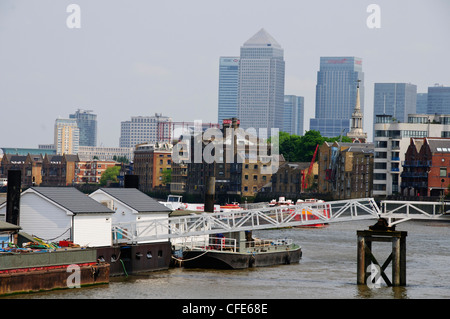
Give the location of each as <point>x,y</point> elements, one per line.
<point>181,260</point>
<point>126,274</point>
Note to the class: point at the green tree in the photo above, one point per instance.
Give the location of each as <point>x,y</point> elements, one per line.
<point>110,174</point>
<point>166,176</point>
<point>301,148</point>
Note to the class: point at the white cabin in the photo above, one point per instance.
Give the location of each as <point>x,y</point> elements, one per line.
<point>132,206</point>
<point>64,213</point>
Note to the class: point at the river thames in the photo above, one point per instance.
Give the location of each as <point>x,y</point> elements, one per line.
<point>327,270</point>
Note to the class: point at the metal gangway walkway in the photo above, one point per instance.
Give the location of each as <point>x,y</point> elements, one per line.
<point>242,220</point>
<point>278,217</point>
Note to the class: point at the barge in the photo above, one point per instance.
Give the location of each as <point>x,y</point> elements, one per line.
<point>22,272</point>
<point>239,251</point>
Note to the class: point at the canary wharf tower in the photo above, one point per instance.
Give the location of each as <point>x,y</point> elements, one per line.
<point>261,83</point>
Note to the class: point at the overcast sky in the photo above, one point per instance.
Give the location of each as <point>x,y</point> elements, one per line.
<point>142,57</point>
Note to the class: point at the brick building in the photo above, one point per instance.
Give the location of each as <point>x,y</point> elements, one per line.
<point>426,167</point>
<point>346,169</point>
<point>30,166</point>
<point>59,170</point>
<point>153,165</point>
<point>91,171</point>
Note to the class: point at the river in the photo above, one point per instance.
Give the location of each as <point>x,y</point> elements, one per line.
<point>326,270</point>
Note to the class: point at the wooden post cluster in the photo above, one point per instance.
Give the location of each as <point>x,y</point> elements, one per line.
<point>397,256</point>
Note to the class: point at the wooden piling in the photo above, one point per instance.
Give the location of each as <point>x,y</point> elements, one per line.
<point>397,256</point>
<point>210,192</point>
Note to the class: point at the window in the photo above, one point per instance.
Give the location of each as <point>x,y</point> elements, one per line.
<point>443,172</point>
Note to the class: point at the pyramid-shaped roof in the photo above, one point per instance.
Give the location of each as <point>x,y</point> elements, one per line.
<point>262,38</point>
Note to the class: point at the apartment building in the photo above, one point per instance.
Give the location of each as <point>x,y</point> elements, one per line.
<point>391,141</point>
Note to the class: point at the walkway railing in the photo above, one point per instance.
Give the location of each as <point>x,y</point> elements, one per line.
<point>253,219</point>
<point>400,211</point>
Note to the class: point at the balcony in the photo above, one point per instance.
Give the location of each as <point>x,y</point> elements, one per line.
<point>414,174</point>
<point>416,163</point>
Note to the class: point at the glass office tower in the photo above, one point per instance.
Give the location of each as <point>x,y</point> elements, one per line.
<point>228,87</point>
<point>261,83</point>
<point>293,114</point>
<point>438,99</point>
<point>396,99</point>
<point>337,81</point>
<point>421,103</point>
<point>87,123</point>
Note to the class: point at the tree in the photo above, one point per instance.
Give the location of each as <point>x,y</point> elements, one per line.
<point>296,148</point>
<point>166,176</point>
<point>110,174</point>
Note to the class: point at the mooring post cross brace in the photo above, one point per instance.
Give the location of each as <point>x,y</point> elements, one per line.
<point>397,256</point>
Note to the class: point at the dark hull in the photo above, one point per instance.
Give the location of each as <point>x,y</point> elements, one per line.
<point>230,260</point>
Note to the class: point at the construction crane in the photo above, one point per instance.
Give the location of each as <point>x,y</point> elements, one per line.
<point>305,178</point>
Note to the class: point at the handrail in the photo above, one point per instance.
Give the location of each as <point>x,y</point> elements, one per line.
<point>252,219</point>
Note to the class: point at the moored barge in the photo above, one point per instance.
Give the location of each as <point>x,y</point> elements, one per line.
<point>236,252</point>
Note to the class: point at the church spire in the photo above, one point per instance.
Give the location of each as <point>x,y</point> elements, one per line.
<point>356,130</point>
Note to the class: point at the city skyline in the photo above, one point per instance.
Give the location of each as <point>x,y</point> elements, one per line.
<point>146,58</point>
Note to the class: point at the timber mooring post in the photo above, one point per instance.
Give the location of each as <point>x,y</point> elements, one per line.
<point>380,232</point>
<point>209,196</point>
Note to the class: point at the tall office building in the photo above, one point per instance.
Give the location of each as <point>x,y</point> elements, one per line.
<point>421,103</point>
<point>261,83</point>
<point>438,99</point>
<point>293,114</point>
<point>87,123</point>
<point>396,99</point>
<point>67,136</point>
<point>336,86</point>
<point>143,129</point>
<point>228,87</point>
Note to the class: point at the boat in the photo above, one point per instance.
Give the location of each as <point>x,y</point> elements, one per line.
<point>233,207</point>
<point>307,215</point>
<point>174,202</point>
<point>236,252</point>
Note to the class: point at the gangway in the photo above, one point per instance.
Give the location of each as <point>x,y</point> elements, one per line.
<point>401,211</point>
<point>252,219</point>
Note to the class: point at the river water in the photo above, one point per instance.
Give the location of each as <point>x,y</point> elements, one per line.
<point>326,270</point>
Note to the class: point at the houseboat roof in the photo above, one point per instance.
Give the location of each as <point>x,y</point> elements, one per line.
<point>136,199</point>
<point>72,199</point>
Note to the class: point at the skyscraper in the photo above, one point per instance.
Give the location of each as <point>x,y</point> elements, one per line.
<point>228,87</point>
<point>421,103</point>
<point>261,83</point>
<point>438,99</point>
<point>293,114</point>
<point>396,99</point>
<point>336,94</point>
<point>87,123</point>
<point>67,136</point>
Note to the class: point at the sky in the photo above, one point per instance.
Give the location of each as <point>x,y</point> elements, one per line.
<point>141,57</point>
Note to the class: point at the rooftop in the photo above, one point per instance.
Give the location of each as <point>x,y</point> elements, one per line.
<point>72,199</point>
<point>262,38</point>
<point>136,199</point>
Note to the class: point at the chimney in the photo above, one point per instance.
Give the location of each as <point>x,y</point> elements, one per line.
<point>131,181</point>
<point>13,197</point>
